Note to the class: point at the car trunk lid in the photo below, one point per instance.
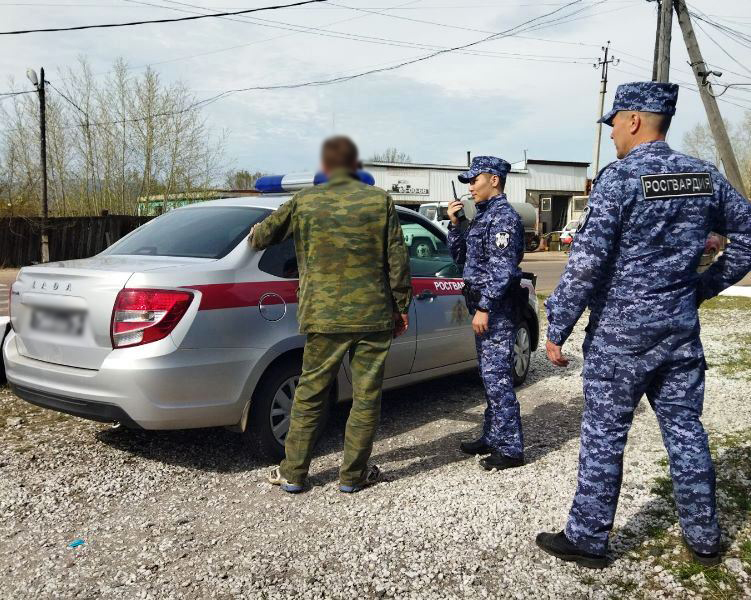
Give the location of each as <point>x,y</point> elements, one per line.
<point>61,312</point>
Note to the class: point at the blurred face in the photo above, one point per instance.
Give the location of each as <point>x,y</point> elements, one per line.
<point>484,186</point>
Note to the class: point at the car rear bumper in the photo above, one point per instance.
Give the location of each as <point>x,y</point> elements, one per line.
<point>94,411</point>
<point>180,390</point>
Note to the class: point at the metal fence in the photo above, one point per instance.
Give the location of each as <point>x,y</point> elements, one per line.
<point>69,237</point>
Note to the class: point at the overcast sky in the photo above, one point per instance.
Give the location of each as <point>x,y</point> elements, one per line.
<point>512,94</point>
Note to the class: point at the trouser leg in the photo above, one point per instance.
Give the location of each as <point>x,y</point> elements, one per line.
<point>609,404</point>
<point>677,397</point>
<point>367,361</point>
<point>322,358</point>
<point>502,427</point>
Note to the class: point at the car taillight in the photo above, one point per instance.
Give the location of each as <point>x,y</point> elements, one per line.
<point>144,316</point>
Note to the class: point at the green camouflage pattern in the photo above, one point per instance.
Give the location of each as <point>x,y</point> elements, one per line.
<point>322,359</point>
<point>353,262</point>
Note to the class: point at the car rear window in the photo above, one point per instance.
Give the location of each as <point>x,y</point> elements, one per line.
<point>208,232</point>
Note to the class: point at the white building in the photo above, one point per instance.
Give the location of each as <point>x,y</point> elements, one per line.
<point>549,185</point>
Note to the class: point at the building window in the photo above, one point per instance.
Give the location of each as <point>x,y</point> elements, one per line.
<point>545,204</point>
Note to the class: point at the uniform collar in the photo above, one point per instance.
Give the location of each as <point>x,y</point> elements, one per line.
<point>649,147</point>
<point>341,175</point>
<point>483,206</point>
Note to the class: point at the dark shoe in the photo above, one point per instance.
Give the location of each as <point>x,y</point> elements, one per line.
<point>499,461</point>
<point>705,560</point>
<point>557,544</point>
<point>372,477</point>
<point>476,447</point>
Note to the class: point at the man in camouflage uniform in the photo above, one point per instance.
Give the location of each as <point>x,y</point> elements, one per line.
<point>355,292</point>
<point>634,264</point>
<point>491,250</point>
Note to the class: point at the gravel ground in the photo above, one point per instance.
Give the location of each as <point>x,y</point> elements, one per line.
<point>189,515</point>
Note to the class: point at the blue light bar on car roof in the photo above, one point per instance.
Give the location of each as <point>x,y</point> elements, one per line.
<point>275,184</point>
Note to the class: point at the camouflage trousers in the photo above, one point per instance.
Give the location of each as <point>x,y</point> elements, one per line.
<point>671,374</point>
<point>322,359</point>
<point>502,425</point>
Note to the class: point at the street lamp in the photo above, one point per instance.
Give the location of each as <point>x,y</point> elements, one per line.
<point>38,83</point>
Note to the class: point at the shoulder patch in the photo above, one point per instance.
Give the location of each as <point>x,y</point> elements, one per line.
<point>676,185</point>
<point>502,239</point>
<point>583,219</point>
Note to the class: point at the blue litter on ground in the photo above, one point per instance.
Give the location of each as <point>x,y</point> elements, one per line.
<point>76,543</point>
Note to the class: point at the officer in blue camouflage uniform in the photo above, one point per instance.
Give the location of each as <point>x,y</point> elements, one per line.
<point>634,264</point>
<point>491,249</point>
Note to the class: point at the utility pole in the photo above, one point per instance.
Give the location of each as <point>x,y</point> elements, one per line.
<point>661,69</point>
<point>604,63</point>
<point>655,60</point>
<point>39,84</point>
<point>702,72</point>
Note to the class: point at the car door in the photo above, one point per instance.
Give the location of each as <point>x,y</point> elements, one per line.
<point>443,323</point>
<point>281,260</point>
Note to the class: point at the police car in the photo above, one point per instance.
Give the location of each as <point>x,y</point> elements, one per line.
<point>180,324</point>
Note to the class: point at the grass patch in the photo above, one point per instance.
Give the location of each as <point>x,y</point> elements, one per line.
<point>732,456</point>
<point>715,582</point>
<point>727,303</point>
<point>745,552</point>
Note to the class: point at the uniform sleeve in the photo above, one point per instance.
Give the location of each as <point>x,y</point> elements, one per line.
<point>734,222</point>
<point>275,228</point>
<point>591,258</point>
<point>458,244</point>
<point>505,243</point>
<point>397,260</point>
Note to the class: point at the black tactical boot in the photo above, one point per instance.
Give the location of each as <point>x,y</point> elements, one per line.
<point>476,447</point>
<point>557,545</point>
<point>496,460</point>
<point>705,560</point>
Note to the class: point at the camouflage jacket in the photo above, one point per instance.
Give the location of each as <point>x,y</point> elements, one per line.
<point>491,250</point>
<point>353,262</point>
<point>634,259</point>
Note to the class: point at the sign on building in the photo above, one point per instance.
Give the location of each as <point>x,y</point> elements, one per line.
<point>415,184</point>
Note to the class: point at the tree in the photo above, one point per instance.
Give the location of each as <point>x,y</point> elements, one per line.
<point>391,155</point>
<point>699,142</point>
<point>241,179</point>
<point>109,141</point>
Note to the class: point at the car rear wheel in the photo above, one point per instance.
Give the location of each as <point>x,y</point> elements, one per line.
<point>271,408</point>
<point>522,353</point>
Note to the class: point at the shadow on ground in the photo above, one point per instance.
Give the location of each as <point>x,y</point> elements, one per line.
<point>456,401</point>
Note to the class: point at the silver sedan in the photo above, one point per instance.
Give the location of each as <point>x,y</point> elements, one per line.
<point>180,324</point>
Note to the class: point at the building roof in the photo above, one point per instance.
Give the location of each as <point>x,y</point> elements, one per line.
<point>564,163</point>
<point>515,167</point>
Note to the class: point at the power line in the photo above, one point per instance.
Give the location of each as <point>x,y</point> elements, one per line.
<point>9,94</point>
<point>683,84</point>
<point>370,39</point>
<point>175,20</point>
<point>340,79</point>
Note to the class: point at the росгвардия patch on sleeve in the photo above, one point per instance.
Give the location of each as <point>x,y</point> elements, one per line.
<point>676,185</point>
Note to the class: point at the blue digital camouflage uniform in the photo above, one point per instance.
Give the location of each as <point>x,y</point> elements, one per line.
<point>491,250</point>
<point>634,264</point>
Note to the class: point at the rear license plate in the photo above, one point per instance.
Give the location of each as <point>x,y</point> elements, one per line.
<point>59,322</point>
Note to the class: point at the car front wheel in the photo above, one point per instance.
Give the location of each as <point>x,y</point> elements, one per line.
<point>522,353</point>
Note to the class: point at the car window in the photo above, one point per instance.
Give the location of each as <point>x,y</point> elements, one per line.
<point>429,255</point>
<point>280,260</point>
<point>571,225</point>
<point>205,232</point>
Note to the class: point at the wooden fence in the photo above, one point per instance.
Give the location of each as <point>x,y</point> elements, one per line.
<point>69,237</point>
